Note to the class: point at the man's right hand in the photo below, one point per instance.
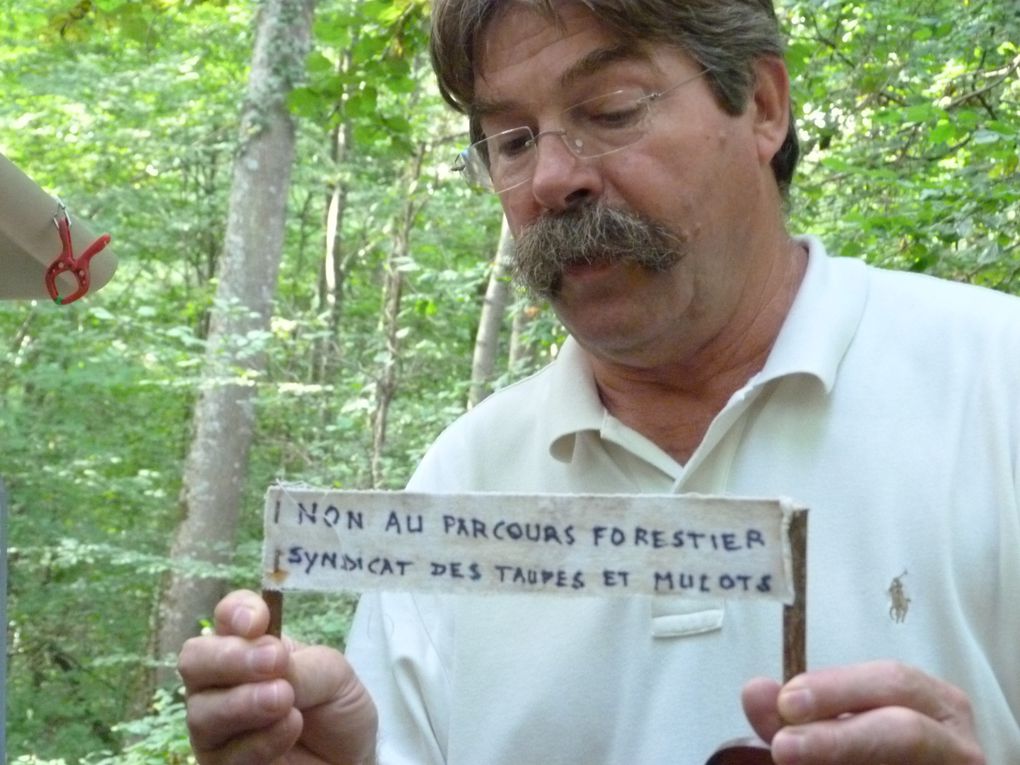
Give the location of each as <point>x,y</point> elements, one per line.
<point>254,699</point>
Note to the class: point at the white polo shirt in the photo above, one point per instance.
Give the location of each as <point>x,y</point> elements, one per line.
<point>889,406</point>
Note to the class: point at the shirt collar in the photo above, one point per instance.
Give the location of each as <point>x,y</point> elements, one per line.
<point>572,400</point>
<point>823,318</point>
<point>814,338</point>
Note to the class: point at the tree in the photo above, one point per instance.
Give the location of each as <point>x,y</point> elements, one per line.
<point>393,292</point>
<point>483,365</point>
<point>336,257</point>
<point>224,421</point>
<point>912,112</point>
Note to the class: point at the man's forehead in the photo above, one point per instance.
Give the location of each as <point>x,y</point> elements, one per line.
<point>574,42</point>
<point>597,60</point>
<point>519,29</point>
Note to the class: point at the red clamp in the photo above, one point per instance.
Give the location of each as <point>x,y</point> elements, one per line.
<point>67,262</point>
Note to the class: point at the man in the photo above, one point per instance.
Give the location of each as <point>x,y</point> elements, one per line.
<point>641,149</point>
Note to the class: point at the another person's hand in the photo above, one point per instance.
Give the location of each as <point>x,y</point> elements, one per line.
<point>254,699</point>
<point>864,714</point>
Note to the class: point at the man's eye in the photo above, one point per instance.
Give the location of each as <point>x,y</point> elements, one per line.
<point>510,147</point>
<point>617,117</point>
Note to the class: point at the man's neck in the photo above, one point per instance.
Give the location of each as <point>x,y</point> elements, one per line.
<point>674,402</point>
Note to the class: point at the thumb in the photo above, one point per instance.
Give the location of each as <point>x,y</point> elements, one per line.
<point>242,613</point>
<point>759,699</point>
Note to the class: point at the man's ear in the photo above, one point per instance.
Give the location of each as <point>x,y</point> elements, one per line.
<point>771,103</point>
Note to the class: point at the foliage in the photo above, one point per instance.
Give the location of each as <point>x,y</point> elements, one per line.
<point>128,110</point>
<point>156,739</point>
<point>912,111</point>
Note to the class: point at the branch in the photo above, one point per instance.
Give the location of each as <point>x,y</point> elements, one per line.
<point>1005,73</point>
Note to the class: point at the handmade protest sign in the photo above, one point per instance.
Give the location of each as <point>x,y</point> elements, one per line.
<point>595,545</point>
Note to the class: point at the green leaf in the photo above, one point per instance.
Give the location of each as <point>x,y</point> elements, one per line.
<point>984,137</point>
<point>920,113</point>
<point>363,103</point>
<point>305,102</point>
<point>943,132</point>
<point>319,64</point>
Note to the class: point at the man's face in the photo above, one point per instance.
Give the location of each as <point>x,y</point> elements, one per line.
<point>694,181</point>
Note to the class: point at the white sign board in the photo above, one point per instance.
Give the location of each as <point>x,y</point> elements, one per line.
<point>710,547</point>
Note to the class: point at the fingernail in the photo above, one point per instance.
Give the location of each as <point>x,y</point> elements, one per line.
<point>267,696</point>
<point>262,660</point>
<point>796,705</point>
<point>788,746</point>
<point>241,620</point>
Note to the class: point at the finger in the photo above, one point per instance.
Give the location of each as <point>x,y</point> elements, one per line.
<point>758,698</point>
<point>340,719</point>
<point>891,734</point>
<point>242,613</point>
<point>829,693</point>
<point>318,675</point>
<point>217,717</point>
<point>218,662</point>
<point>259,747</point>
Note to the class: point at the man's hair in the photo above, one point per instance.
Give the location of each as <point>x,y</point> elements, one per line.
<point>724,36</point>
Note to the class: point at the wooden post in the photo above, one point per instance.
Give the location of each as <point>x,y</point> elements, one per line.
<point>795,614</point>
<point>274,599</point>
<point>752,751</point>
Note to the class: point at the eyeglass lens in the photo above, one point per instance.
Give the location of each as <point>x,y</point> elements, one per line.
<point>592,128</point>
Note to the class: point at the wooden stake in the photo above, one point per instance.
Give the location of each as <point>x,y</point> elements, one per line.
<point>795,614</point>
<point>753,751</point>
<point>274,599</point>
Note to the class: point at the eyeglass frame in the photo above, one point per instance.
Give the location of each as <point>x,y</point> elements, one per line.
<point>473,164</point>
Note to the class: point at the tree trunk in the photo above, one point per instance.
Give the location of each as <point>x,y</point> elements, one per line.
<point>522,350</point>
<point>215,468</point>
<point>334,262</point>
<point>483,365</point>
<point>386,384</point>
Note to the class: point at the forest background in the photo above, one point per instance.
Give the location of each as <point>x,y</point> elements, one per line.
<point>224,357</point>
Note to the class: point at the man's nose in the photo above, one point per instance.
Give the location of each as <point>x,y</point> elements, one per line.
<point>562,179</point>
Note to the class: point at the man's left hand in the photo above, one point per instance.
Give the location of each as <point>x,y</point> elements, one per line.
<point>864,714</point>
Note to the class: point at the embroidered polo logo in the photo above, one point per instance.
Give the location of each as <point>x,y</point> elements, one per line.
<point>899,603</point>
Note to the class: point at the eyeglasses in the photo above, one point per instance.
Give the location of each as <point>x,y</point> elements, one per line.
<point>593,128</point>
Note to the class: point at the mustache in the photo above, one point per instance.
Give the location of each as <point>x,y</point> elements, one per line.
<point>590,234</point>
